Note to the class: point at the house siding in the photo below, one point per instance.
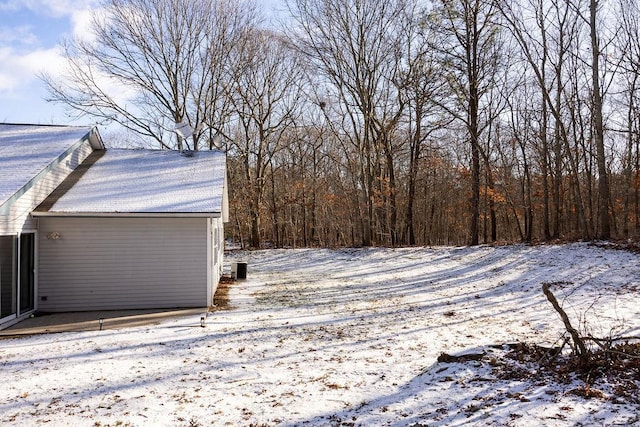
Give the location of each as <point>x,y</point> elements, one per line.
<point>216,244</point>
<point>18,217</point>
<point>122,263</point>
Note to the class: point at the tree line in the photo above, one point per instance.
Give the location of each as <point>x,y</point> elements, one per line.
<point>403,122</point>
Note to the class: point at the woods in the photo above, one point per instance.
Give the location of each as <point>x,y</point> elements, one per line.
<point>358,123</point>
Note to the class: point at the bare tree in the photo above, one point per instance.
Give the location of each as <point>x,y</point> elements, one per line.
<point>267,96</point>
<point>149,64</point>
<point>356,45</point>
<point>537,53</point>
<point>597,105</point>
<point>423,91</point>
<point>470,49</point>
<point>628,44</point>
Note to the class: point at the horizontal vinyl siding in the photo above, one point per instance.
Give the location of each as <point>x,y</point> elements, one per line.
<point>218,249</point>
<point>122,263</point>
<point>216,252</point>
<point>18,217</point>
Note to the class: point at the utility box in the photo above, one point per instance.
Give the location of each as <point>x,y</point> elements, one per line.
<point>239,270</point>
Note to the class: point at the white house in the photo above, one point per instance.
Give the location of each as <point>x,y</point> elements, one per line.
<point>85,228</point>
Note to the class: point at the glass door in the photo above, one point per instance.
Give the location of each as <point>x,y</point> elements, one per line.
<point>26,290</point>
<point>17,275</point>
<point>8,282</point>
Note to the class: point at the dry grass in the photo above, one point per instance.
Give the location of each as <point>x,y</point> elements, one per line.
<point>221,297</point>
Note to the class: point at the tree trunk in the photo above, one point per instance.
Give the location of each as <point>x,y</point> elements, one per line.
<point>414,151</point>
<point>545,172</point>
<point>255,229</point>
<point>604,229</point>
<point>475,167</point>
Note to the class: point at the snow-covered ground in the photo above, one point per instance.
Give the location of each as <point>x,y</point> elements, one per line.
<point>342,337</point>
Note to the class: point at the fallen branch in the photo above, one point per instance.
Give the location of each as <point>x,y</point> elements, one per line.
<point>449,358</point>
<point>582,351</point>
<point>612,339</point>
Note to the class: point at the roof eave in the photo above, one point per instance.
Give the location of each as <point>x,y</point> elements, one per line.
<point>128,214</point>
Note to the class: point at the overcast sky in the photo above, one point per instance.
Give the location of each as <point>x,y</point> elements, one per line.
<point>30,35</point>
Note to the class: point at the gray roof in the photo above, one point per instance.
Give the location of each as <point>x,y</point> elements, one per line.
<point>28,152</point>
<point>119,181</point>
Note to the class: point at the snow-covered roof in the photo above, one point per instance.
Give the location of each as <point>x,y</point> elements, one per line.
<point>120,181</point>
<point>28,152</point>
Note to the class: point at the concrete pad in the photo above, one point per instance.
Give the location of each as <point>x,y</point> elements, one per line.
<point>44,323</point>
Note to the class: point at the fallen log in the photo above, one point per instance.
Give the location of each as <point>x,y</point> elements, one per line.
<point>450,358</point>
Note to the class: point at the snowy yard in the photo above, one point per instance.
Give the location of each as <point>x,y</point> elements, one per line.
<point>343,337</point>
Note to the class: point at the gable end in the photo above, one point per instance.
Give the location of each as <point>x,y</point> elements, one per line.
<point>5,207</point>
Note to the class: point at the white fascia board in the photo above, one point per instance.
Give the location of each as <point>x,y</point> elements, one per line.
<point>225,199</point>
<point>209,262</point>
<point>128,214</point>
